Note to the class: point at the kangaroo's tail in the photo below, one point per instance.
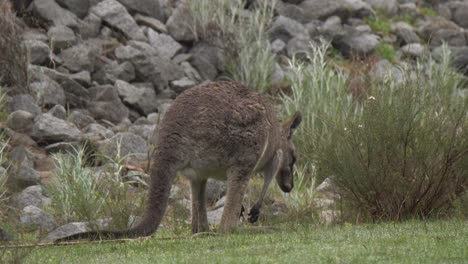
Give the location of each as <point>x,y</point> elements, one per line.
<point>163,171</point>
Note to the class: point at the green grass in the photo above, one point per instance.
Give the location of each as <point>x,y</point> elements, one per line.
<point>410,242</point>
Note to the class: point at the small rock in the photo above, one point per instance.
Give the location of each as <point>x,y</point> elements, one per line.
<point>354,43</point>
<point>29,196</point>
<point>140,98</point>
<point>24,102</point>
<point>31,216</point>
<point>164,44</point>
<point>58,111</point>
<point>183,84</point>
<point>80,119</point>
<point>61,37</point>
<point>215,190</point>
<point>414,50</point>
<point>388,7</point>
<point>214,217</point>
<point>329,217</point>
<point>90,26</point>
<point>49,10</point>
<point>20,121</point>
<point>38,51</point>
<point>115,14</point>
<point>81,57</point>
<point>97,132</point>
<point>48,92</point>
<point>112,72</point>
<point>152,23</point>
<point>68,230</point>
<point>107,105</point>
<point>179,24</point>
<point>130,144</point>
<point>144,131</point>
<point>4,236</point>
<point>191,72</point>
<point>49,129</point>
<point>79,8</point>
<point>285,28</point>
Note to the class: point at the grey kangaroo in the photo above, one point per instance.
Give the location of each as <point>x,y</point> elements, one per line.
<point>219,130</point>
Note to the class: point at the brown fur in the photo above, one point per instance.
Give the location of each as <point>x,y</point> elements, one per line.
<point>217,130</point>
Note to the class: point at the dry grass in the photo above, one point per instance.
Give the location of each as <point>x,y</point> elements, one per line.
<point>12,53</point>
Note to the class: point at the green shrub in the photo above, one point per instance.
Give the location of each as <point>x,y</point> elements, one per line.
<point>386,51</point>
<point>12,53</point>
<point>406,155</point>
<point>379,25</point>
<point>241,34</point>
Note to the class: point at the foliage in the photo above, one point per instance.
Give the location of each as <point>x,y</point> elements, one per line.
<point>241,34</point>
<point>386,51</point>
<point>78,193</point>
<point>406,155</point>
<point>379,25</point>
<point>13,54</point>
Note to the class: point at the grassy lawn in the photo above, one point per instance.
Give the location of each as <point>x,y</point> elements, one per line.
<point>410,242</point>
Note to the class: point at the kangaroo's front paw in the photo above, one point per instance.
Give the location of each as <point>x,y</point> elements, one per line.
<point>253,214</point>
<point>241,215</point>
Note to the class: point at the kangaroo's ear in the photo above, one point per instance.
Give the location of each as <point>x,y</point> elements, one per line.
<point>292,123</point>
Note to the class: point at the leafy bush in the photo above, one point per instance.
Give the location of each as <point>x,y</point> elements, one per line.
<point>400,152</point>
<point>241,34</point>
<point>386,51</point>
<point>13,54</point>
<point>380,25</point>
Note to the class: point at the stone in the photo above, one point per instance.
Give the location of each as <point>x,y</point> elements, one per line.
<point>214,216</point>
<point>332,27</point>
<point>414,50</point>
<point>405,34</point>
<point>144,131</point>
<point>24,102</point>
<point>150,8</point>
<point>79,8</point>
<point>130,144</point>
<point>49,129</point>
<point>50,11</point>
<point>438,30</point>
<point>38,51</point>
<point>182,84</point>
<point>383,70</point>
<point>30,196</point>
<point>4,236</point>
<point>329,217</point>
<point>285,28</point>
<point>460,59</point>
<point>75,94</point>
<point>191,72</point>
<point>82,77</point>
<point>32,217</point>
<point>290,10</point>
<point>20,121</point>
<point>164,44</point>
<point>299,47</point>
<point>215,190</point>
<point>68,230</point>
<point>114,71</point>
<point>352,43</point>
<point>81,57</point>
<point>460,14</point>
<point>61,37</point>
<point>388,7</point>
<point>152,23</point>
<point>58,111</point>
<point>106,104</point>
<point>319,9</point>
<point>116,16</point>
<point>90,26</point>
<point>97,132</point>
<point>277,46</point>
<point>25,176</point>
<point>180,24</point>
<point>140,98</point>
<point>48,92</point>
<point>80,119</point>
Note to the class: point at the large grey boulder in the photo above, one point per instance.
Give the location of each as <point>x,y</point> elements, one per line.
<point>116,16</point>
<point>152,8</point>
<point>75,94</point>
<point>34,217</point>
<point>48,92</point>
<point>180,24</point>
<point>81,57</point>
<point>106,104</point>
<point>68,230</point>
<point>39,51</point>
<point>131,145</point>
<point>164,44</point>
<point>79,8</point>
<point>24,102</point>
<point>285,28</point>
<point>355,43</point>
<point>49,129</point>
<point>20,121</point>
<point>52,12</point>
<point>61,37</point>
<point>439,30</point>
<point>319,9</point>
<point>29,196</point>
<point>141,99</point>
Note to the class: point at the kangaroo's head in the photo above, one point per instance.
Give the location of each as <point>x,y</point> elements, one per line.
<point>286,154</point>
